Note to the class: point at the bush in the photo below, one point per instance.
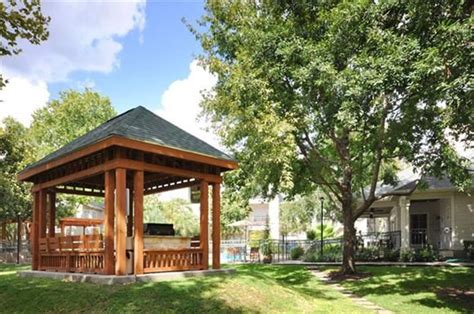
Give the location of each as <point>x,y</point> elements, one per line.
<point>331,253</point>
<point>367,254</point>
<point>426,254</point>
<point>296,252</point>
<point>311,234</point>
<point>391,255</point>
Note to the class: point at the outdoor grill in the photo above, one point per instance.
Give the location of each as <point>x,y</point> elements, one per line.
<point>157,229</point>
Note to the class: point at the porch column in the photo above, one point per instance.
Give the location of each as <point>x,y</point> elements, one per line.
<point>52,214</point>
<point>138,186</point>
<point>121,231</point>
<point>35,233</point>
<point>216,226</point>
<point>109,221</point>
<point>404,204</point>
<point>204,221</point>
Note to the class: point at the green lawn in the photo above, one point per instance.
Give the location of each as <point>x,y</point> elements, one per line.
<point>417,289</point>
<point>255,288</point>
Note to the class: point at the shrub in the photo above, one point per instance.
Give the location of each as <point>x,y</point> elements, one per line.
<point>266,247</point>
<point>311,234</point>
<point>426,254</point>
<point>331,253</point>
<point>391,255</point>
<point>296,253</point>
<point>367,254</point>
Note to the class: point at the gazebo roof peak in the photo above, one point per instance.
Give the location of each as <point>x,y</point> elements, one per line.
<point>142,125</point>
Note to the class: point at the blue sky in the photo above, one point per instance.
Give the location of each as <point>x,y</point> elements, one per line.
<point>147,68</point>
<point>135,52</point>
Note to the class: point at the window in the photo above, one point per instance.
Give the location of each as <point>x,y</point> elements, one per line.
<point>418,226</point>
<point>195,194</point>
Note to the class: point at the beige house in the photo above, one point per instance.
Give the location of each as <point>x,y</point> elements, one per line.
<point>437,214</point>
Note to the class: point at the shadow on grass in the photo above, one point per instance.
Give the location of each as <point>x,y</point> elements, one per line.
<point>293,277</point>
<point>46,295</point>
<point>410,281</point>
<point>208,294</point>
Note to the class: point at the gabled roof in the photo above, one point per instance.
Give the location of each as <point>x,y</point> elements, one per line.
<point>142,125</point>
<point>409,181</point>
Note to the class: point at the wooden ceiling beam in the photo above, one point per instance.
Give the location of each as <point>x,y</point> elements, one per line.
<point>170,187</point>
<point>26,175</point>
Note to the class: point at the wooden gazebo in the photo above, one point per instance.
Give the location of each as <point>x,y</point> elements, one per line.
<point>137,152</point>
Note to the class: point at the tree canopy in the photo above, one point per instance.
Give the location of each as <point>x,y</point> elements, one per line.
<point>53,126</point>
<point>178,212</point>
<point>20,20</point>
<point>334,94</point>
<point>16,152</point>
<point>72,115</point>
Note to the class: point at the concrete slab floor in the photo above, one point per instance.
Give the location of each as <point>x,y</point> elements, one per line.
<point>112,279</point>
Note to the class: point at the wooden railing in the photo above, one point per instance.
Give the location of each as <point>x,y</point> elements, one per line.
<point>83,253</point>
<point>172,260</point>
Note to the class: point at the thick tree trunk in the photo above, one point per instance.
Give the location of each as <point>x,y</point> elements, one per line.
<point>348,265</point>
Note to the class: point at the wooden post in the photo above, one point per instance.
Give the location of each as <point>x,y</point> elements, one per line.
<point>52,214</point>
<point>35,232</point>
<point>204,223</point>
<point>109,219</point>
<point>138,186</point>
<point>121,232</point>
<point>130,213</point>
<point>216,226</point>
<point>42,213</point>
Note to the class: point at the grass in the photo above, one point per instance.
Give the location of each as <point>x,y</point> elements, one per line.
<point>417,289</point>
<point>254,288</point>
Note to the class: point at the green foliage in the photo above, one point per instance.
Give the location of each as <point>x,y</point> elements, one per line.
<point>367,254</point>
<point>63,120</point>
<point>425,254</point>
<point>296,216</point>
<point>20,20</point>
<point>333,94</point>
<point>315,234</point>
<point>255,237</point>
<point>178,212</point>
<point>233,208</point>
<point>310,234</point>
<point>16,152</point>
<point>267,247</point>
<point>296,253</point>
<point>331,253</point>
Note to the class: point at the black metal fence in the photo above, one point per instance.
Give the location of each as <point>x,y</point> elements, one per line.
<point>370,246</point>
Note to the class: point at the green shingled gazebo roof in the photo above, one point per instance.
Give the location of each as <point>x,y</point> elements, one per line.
<point>142,125</point>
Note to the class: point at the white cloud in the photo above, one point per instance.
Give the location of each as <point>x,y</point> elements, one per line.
<point>180,103</point>
<point>84,36</point>
<point>21,97</point>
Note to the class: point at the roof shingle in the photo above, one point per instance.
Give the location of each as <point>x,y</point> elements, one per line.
<point>142,125</point>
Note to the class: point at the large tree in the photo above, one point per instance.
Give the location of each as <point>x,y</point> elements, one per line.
<point>20,20</point>
<point>64,119</point>
<point>333,94</point>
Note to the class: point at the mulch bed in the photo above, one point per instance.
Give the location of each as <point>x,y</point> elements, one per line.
<point>461,296</point>
<point>338,276</point>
